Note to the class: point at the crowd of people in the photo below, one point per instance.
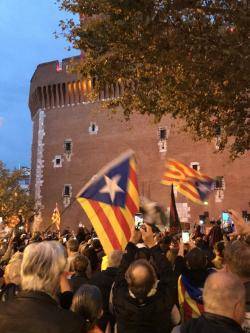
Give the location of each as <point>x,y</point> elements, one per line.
<point>58,283</point>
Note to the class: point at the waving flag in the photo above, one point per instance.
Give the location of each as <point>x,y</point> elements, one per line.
<point>174,223</point>
<point>56,217</point>
<point>110,200</point>
<point>191,183</point>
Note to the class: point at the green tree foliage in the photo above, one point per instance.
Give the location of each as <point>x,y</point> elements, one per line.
<point>14,200</point>
<point>186,58</point>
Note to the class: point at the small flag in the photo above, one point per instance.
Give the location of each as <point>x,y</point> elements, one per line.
<point>189,182</point>
<point>110,200</point>
<point>174,223</point>
<point>56,218</point>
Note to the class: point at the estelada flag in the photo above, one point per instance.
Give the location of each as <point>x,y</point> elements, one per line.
<point>110,200</point>
<point>174,221</point>
<point>56,217</point>
<point>193,184</point>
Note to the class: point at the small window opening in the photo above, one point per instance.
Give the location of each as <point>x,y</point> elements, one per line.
<point>195,166</point>
<point>67,191</point>
<point>93,128</point>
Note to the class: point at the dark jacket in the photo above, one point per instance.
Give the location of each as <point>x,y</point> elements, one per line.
<point>36,312</point>
<point>154,314</point>
<point>210,323</point>
<point>104,281</point>
<point>77,281</point>
<point>8,291</point>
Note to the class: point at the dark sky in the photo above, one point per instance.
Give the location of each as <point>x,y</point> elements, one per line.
<point>26,34</point>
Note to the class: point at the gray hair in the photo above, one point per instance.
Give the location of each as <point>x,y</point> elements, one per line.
<point>42,266</point>
<point>114,258</point>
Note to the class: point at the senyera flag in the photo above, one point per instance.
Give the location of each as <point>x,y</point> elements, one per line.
<point>56,217</point>
<point>110,200</point>
<point>193,184</point>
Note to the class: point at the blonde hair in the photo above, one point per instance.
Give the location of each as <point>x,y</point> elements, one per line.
<point>42,266</point>
<point>12,273</point>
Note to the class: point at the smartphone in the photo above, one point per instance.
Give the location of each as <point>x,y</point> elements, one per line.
<point>185,237</point>
<point>225,217</point>
<point>138,221</point>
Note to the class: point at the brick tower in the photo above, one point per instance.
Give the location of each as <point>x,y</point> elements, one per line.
<point>73,138</point>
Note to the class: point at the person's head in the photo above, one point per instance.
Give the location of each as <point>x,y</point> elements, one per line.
<point>72,245</point>
<point>224,295</point>
<point>87,302</point>
<point>114,258</point>
<point>219,249</point>
<point>12,273</point>
<point>141,279</point>
<point>236,257</point>
<point>80,264</point>
<point>196,259</point>
<point>42,265</point>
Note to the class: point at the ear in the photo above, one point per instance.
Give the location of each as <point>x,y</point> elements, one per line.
<point>100,314</point>
<point>239,312</point>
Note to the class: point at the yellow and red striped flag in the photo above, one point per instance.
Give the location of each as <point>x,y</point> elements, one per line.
<point>110,200</point>
<point>56,217</point>
<point>189,182</point>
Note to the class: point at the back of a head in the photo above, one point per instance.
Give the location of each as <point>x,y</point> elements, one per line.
<point>42,265</point>
<point>12,272</point>
<point>87,302</point>
<point>114,258</point>
<point>141,279</point>
<point>196,259</point>
<point>72,245</point>
<point>224,294</point>
<point>80,264</point>
<point>219,248</point>
<point>237,256</point>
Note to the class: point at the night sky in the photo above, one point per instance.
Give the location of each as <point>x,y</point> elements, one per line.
<point>26,34</point>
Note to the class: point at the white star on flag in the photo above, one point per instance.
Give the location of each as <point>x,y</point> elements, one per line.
<point>112,186</point>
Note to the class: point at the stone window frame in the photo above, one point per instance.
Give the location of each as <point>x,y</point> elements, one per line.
<point>91,130</point>
<point>55,164</point>
<point>192,164</point>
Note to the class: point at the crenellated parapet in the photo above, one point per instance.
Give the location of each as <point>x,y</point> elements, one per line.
<point>54,86</point>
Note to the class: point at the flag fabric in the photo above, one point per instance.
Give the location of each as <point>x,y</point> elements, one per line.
<point>110,200</point>
<point>174,221</point>
<point>189,182</point>
<point>56,217</point>
<point>190,299</point>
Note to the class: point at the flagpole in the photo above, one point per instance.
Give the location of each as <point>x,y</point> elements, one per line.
<point>50,226</point>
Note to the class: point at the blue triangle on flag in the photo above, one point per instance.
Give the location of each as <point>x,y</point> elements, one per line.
<point>113,182</point>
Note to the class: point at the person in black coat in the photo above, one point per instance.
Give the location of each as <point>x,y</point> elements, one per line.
<point>79,265</point>
<point>143,296</point>
<point>104,281</point>
<point>35,309</point>
<point>224,301</point>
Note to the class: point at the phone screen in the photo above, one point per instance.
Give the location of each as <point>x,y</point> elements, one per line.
<point>225,217</point>
<point>138,221</point>
<point>185,237</point>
